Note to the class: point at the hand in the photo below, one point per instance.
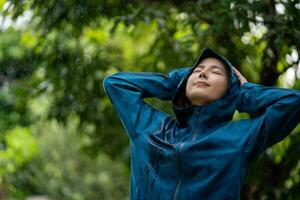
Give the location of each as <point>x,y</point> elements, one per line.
<point>241,78</point>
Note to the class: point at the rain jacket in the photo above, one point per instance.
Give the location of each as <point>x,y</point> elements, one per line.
<point>202,153</point>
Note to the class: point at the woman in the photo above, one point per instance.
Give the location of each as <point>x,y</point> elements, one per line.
<point>201,154</point>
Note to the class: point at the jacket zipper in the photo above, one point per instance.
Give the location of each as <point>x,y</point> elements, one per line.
<point>179,180</point>
<point>179,172</point>
<point>194,125</point>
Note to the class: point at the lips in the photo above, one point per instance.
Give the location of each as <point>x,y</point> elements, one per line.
<point>201,83</point>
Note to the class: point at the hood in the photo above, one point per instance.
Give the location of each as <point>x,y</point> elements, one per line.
<point>216,112</point>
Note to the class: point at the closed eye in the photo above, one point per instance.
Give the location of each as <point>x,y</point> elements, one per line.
<point>215,72</point>
<point>197,70</point>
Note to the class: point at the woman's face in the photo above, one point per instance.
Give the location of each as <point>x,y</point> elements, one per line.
<point>212,73</point>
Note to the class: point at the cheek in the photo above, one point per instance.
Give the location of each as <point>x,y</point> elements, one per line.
<point>189,83</point>
<point>221,84</point>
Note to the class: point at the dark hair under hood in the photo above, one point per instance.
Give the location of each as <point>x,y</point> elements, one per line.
<point>213,113</point>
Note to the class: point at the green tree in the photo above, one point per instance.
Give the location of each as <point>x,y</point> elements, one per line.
<point>70,46</point>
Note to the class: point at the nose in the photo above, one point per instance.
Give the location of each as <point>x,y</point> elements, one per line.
<point>202,73</point>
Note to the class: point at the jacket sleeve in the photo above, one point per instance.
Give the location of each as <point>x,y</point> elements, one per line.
<point>126,91</point>
<point>279,110</point>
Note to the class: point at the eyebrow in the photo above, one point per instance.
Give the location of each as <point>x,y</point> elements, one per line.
<point>211,66</point>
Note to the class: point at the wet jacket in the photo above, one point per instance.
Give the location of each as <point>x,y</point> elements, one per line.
<point>202,153</point>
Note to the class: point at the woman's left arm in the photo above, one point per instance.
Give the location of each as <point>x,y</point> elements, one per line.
<point>279,108</point>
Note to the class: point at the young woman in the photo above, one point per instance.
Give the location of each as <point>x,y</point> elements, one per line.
<point>201,154</point>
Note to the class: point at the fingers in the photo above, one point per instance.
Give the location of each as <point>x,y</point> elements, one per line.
<point>241,78</point>
<point>236,71</point>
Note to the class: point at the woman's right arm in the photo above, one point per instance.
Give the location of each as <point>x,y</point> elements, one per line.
<point>126,91</point>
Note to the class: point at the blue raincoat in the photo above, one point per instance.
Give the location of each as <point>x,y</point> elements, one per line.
<point>202,153</point>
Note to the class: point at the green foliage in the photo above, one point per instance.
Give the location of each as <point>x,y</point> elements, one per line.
<point>53,67</point>
<point>70,173</point>
<point>21,147</point>
<point>61,170</point>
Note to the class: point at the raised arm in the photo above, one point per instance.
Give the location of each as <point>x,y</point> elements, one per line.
<point>126,91</point>
<point>279,110</point>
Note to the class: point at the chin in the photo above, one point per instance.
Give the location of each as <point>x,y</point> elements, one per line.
<point>195,100</point>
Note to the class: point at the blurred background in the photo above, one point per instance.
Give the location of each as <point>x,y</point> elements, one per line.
<point>60,137</point>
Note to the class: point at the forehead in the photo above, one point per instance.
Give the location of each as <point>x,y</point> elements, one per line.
<point>212,62</point>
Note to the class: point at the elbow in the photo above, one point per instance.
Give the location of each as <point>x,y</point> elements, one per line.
<point>295,98</point>
<point>298,97</point>
<point>109,81</point>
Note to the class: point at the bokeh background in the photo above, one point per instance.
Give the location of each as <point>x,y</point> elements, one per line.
<point>60,137</point>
